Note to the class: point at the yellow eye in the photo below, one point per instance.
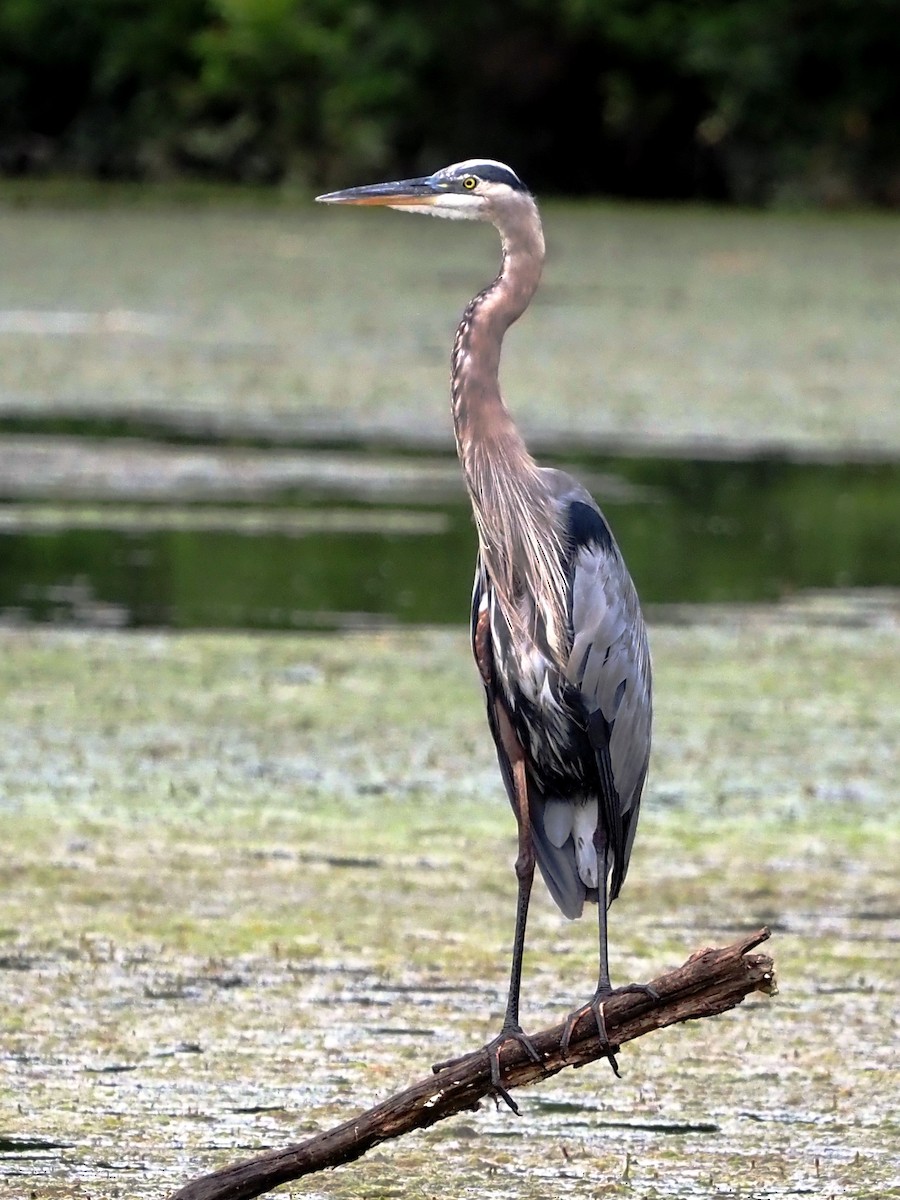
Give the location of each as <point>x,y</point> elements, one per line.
<point>470,182</point>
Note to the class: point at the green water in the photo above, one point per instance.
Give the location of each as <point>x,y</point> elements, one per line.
<point>692,532</point>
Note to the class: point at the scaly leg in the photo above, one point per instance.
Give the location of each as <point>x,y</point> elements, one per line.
<point>511,1029</point>
<point>604,986</point>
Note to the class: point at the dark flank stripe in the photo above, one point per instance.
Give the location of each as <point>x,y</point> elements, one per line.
<point>588,528</point>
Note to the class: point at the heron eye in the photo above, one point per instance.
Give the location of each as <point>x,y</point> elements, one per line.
<point>469,182</point>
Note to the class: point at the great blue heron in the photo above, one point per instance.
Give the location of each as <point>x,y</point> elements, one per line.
<point>557,631</point>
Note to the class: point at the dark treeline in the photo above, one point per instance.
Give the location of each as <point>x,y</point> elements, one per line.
<point>757,101</point>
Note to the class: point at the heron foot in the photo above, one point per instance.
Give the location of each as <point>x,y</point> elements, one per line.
<point>596,1006</point>
<point>509,1033</point>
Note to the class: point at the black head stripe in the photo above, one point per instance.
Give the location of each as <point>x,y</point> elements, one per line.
<point>496,173</point>
<point>486,169</point>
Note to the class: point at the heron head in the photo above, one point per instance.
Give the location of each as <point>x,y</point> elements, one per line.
<point>478,189</point>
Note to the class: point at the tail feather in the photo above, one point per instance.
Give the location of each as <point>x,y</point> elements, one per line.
<point>558,866</point>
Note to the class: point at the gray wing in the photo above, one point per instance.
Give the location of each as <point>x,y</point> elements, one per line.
<point>609,664</point>
<point>609,670</point>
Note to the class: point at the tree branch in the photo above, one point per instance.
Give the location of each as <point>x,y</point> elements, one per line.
<point>710,982</point>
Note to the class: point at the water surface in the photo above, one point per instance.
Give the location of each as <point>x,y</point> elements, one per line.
<point>382,540</point>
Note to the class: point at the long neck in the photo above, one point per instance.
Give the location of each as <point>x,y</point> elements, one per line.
<point>480,417</point>
<point>518,525</point>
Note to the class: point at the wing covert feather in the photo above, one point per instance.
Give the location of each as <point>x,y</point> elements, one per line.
<point>610,665</point>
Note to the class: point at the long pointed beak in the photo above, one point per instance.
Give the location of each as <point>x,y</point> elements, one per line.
<point>403,191</point>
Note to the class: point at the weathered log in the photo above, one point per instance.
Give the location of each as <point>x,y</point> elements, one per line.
<point>710,982</point>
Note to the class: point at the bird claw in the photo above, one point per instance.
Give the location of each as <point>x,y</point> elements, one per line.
<point>646,989</point>
<point>596,1006</point>
<point>492,1049</point>
<point>447,1064</point>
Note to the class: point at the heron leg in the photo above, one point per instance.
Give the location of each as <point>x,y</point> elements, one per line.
<point>604,986</point>
<point>511,1029</point>
<point>525,878</point>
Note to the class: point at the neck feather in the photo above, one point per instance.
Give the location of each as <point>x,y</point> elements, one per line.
<point>518,525</point>
<point>478,409</point>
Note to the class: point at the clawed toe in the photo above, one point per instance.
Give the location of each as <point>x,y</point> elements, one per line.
<point>647,989</point>
<point>492,1049</point>
<point>596,1006</point>
<point>449,1063</point>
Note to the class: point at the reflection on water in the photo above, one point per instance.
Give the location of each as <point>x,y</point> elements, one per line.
<point>692,531</point>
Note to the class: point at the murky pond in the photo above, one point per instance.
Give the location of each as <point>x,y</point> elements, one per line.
<point>306,540</point>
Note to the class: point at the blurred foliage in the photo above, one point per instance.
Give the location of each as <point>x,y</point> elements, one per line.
<point>753,100</point>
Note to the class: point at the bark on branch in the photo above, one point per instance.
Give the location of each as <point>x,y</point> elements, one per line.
<point>710,982</point>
